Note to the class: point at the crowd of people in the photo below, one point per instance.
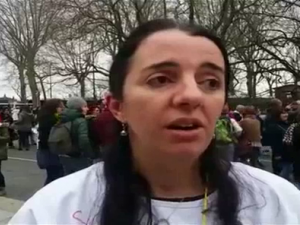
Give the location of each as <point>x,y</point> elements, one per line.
<point>248,131</point>
<point>168,85</point>
<point>88,135</point>
<point>239,135</point>
<point>88,132</point>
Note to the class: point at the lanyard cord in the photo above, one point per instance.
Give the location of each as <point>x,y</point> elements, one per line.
<point>205,207</point>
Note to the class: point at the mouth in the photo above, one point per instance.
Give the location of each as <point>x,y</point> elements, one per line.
<point>184,124</point>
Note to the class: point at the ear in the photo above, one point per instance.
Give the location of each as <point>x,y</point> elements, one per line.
<point>115,106</point>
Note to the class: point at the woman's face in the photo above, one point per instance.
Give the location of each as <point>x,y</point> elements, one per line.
<point>284,116</point>
<point>173,94</point>
<point>96,111</point>
<point>60,108</point>
<point>84,109</point>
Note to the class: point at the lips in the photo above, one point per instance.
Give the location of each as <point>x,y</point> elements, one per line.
<point>184,124</point>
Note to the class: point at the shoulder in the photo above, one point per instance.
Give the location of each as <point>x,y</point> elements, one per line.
<point>81,120</point>
<point>66,200</point>
<point>254,175</point>
<point>271,196</point>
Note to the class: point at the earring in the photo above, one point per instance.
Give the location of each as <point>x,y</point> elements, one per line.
<point>123,132</point>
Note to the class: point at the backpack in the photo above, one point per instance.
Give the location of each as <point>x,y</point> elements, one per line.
<point>224,131</point>
<point>60,139</point>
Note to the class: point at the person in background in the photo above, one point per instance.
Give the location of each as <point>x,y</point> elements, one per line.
<point>48,116</point>
<point>275,129</point>
<point>226,135</point>
<point>91,116</point>
<point>4,139</point>
<point>238,113</point>
<point>103,127</point>
<point>293,112</point>
<point>296,150</point>
<point>274,110</point>
<point>251,134</point>
<point>287,153</point>
<point>84,155</point>
<point>24,126</point>
<point>7,118</point>
<point>93,111</point>
<point>271,128</point>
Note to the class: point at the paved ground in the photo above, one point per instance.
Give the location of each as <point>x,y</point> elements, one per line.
<point>23,177</point>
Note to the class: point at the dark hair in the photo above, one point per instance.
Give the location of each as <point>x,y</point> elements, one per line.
<point>250,110</point>
<point>92,109</point>
<point>49,108</point>
<point>25,108</point>
<point>124,188</point>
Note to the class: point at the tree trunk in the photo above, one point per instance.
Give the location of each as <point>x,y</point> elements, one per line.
<point>165,9</point>
<point>269,82</point>
<point>94,87</point>
<point>32,83</point>
<point>191,11</point>
<point>43,89</point>
<point>254,76</point>
<point>250,84</point>
<point>82,88</point>
<point>22,84</point>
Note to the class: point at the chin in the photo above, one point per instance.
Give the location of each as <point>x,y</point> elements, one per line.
<point>187,151</point>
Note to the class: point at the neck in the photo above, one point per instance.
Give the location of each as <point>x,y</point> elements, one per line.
<point>169,179</point>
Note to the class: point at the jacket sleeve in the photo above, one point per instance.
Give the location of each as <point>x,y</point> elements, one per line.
<point>84,143</point>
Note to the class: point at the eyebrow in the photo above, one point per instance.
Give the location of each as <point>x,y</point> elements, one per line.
<point>209,65</point>
<point>161,65</point>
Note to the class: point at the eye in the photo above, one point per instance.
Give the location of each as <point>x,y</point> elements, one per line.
<point>211,84</point>
<point>159,81</point>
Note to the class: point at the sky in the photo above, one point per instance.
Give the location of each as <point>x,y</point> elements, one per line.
<point>7,82</point>
<point>5,88</point>
<point>63,91</point>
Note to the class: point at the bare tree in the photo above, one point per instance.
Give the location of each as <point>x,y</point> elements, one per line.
<point>28,24</point>
<point>75,59</point>
<point>18,60</point>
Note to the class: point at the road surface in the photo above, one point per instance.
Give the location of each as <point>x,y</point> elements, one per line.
<point>23,177</point>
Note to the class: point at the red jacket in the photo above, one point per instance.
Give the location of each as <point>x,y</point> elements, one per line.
<point>104,128</point>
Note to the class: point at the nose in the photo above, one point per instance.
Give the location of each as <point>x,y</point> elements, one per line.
<point>188,94</point>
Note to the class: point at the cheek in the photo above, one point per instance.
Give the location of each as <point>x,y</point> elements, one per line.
<point>212,110</point>
<point>139,113</point>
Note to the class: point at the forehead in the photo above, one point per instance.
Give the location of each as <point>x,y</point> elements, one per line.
<point>177,46</point>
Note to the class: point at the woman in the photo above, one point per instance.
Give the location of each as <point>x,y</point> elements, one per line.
<point>287,158</point>
<point>274,131</point>
<point>168,84</point>
<point>251,134</point>
<point>292,141</point>
<point>93,111</point>
<point>47,118</point>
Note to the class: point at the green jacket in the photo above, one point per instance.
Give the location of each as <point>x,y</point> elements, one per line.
<point>79,132</point>
<point>4,139</point>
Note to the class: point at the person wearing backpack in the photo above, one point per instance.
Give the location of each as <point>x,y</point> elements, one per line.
<point>70,138</point>
<point>47,118</point>
<point>225,135</point>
